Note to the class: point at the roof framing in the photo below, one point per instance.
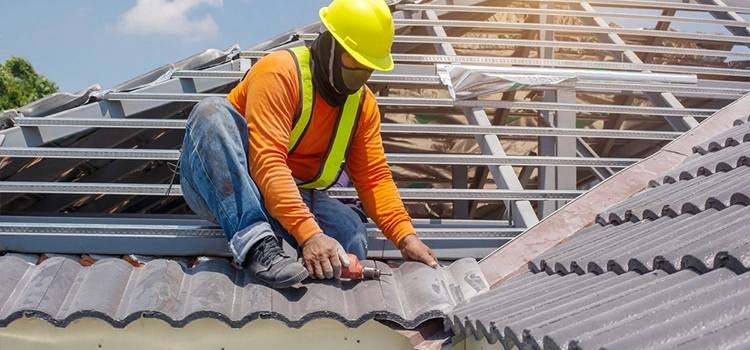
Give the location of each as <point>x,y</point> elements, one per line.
<point>510,155</point>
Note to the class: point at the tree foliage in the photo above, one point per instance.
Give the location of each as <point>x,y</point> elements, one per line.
<point>20,84</point>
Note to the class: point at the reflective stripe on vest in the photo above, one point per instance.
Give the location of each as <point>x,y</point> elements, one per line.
<point>338,147</point>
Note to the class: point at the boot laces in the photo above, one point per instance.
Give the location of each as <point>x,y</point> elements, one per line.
<point>268,250</point>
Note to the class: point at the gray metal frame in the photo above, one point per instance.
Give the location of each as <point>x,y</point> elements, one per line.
<point>115,151</point>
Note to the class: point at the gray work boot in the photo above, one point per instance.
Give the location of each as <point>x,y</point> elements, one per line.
<point>267,261</point>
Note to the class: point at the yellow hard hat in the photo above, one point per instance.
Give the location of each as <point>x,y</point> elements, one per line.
<point>364,28</point>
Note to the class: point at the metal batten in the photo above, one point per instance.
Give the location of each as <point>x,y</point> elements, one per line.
<point>416,39</point>
<point>525,131</point>
<point>442,102</point>
<point>88,153</point>
<point>375,78</point>
<point>424,58</point>
<point>103,123</point>
<point>89,188</point>
<point>176,97</point>
<point>660,5</point>
<point>476,159</point>
<point>385,78</point>
<point>395,158</point>
<point>112,236</point>
<point>479,194</point>
<point>445,102</point>
<point>613,77</point>
<point>673,88</point>
<point>384,128</point>
<point>422,39</point>
<point>561,12</point>
<point>572,28</point>
<point>206,74</point>
<point>175,190</point>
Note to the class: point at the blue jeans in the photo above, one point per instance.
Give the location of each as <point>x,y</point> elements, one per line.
<point>217,186</point>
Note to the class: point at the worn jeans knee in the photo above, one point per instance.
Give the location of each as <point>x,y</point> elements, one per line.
<point>213,168</point>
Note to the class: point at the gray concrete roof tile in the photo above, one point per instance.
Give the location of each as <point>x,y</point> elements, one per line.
<point>601,256</point>
<point>60,291</point>
<point>655,289</point>
<point>736,258</point>
<point>566,303</point>
<point>718,191</point>
<point>547,261</point>
<point>732,335</point>
<point>667,268</point>
<point>723,160</point>
<point>668,242</point>
<point>731,137</point>
<point>697,310</point>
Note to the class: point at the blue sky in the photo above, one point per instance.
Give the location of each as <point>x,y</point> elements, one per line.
<point>78,43</point>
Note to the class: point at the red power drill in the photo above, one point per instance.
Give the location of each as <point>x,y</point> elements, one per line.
<point>356,271</point>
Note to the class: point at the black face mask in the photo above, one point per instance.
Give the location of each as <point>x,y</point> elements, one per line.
<point>334,81</point>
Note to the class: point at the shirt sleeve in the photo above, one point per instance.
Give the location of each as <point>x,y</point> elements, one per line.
<point>372,177</point>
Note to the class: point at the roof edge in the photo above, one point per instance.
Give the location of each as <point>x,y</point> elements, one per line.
<point>582,211</point>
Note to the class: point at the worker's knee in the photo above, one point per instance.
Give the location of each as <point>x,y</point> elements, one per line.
<point>356,242</point>
<point>358,246</point>
<point>215,112</point>
<point>342,224</point>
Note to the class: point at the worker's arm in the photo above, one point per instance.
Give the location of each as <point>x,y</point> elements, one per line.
<point>272,97</point>
<point>375,187</point>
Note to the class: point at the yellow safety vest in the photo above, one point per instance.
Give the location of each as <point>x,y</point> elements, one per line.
<point>346,122</point>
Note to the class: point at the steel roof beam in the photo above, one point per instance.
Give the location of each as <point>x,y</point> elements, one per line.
<point>522,213</point>
<point>386,128</point>
<point>676,5</point>
<point>731,89</point>
<point>114,171</point>
<point>561,12</point>
<point>430,59</point>
<point>488,158</point>
<point>740,28</point>
<point>665,99</point>
<point>575,28</point>
<point>343,192</point>
<point>446,102</point>
<point>418,39</point>
<point>31,136</point>
<point>111,236</point>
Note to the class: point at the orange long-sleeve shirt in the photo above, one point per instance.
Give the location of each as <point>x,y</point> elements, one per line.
<point>269,98</point>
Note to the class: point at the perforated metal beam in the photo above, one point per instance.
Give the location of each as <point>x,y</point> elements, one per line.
<point>32,136</point>
<point>560,12</point>
<point>446,102</point>
<point>574,28</point>
<point>384,128</point>
<point>422,58</point>
<point>418,39</point>
<point>522,212</point>
<point>664,99</point>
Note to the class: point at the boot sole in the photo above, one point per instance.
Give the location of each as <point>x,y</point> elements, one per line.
<point>290,281</point>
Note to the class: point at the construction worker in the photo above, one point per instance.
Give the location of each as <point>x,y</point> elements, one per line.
<point>252,162</point>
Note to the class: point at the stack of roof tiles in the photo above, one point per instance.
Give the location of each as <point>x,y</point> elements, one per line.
<point>666,268</point>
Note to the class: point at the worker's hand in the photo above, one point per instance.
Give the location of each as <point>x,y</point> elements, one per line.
<point>324,256</point>
<point>412,248</point>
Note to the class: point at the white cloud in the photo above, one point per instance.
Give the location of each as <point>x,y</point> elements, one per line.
<point>169,17</point>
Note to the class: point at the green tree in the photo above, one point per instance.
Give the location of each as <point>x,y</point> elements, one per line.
<point>20,84</point>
